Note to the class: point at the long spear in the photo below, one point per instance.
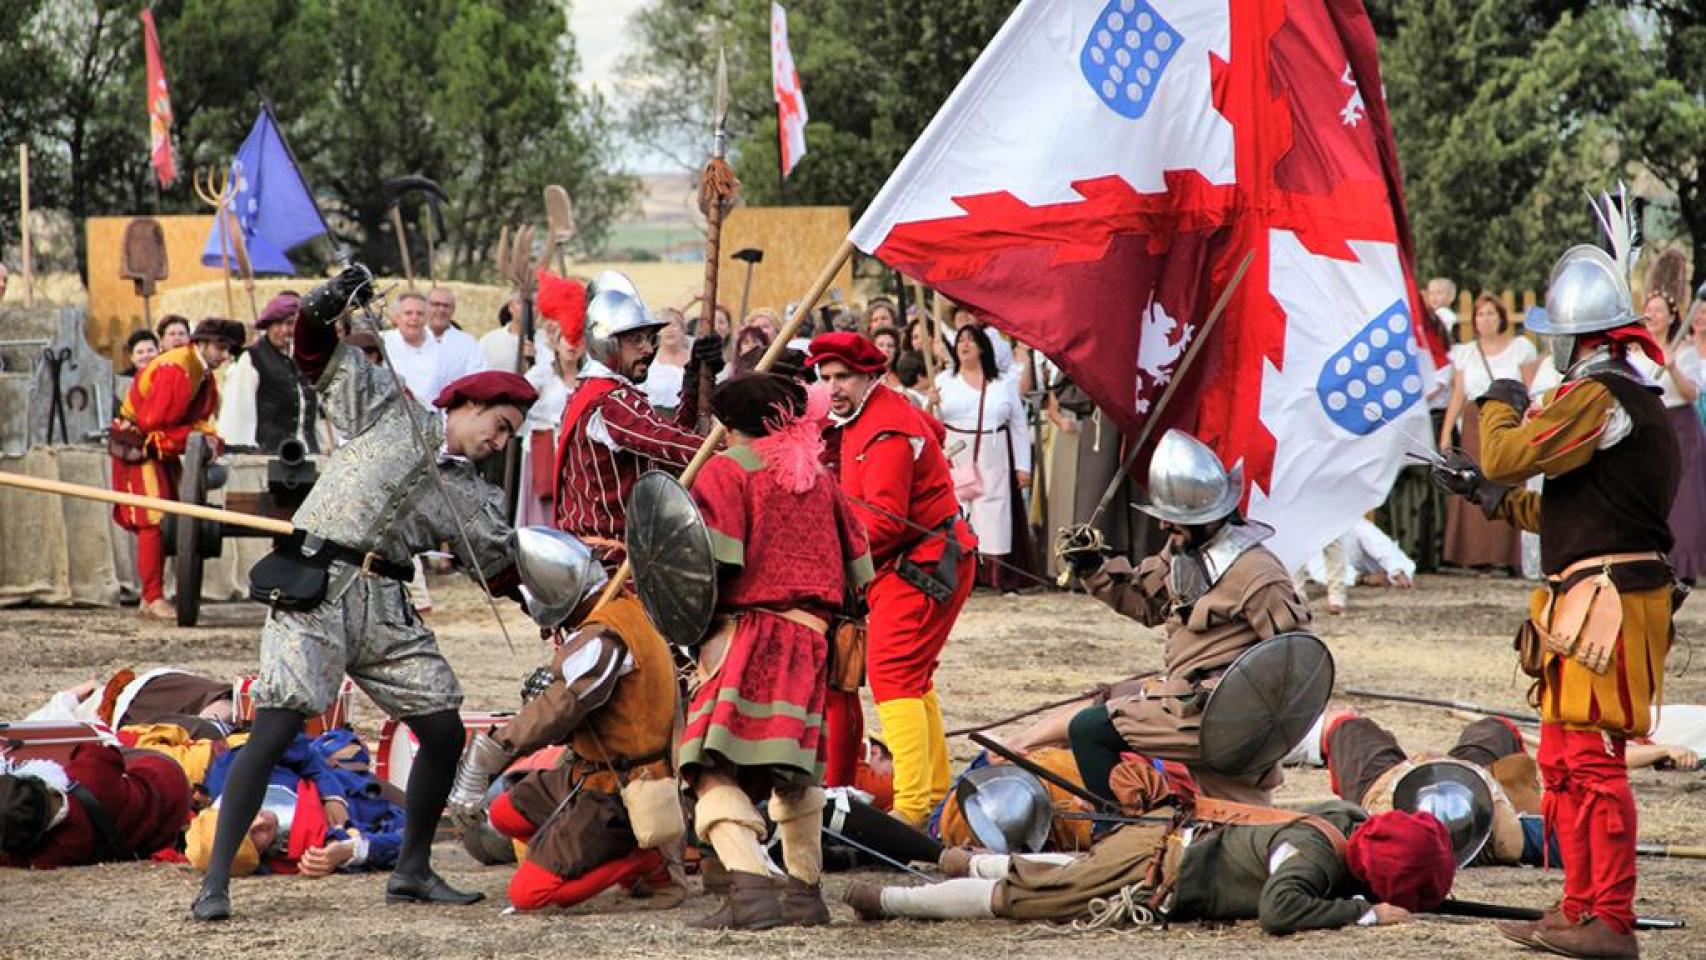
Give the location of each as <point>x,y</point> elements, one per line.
<point>718,189</point>
<point>1440,702</point>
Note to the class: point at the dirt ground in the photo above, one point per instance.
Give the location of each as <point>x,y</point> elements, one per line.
<point>1448,638</point>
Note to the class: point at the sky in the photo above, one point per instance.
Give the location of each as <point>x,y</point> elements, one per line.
<point>601,38</point>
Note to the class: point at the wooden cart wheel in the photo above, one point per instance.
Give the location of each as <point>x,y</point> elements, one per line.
<point>187,566</point>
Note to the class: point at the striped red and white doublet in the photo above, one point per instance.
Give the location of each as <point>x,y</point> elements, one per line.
<point>612,434</point>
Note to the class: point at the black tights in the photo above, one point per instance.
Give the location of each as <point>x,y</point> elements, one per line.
<point>1096,746</point>
<point>430,778</point>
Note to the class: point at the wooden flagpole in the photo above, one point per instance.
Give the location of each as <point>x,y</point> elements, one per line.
<point>28,260</point>
<point>714,439</point>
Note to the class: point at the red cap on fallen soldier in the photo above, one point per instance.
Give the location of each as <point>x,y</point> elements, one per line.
<point>1404,859</point>
<point>854,349</point>
<point>488,387</point>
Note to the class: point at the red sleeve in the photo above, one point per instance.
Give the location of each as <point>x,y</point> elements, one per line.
<point>855,545</point>
<point>887,470</point>
<point>720,492</point>
<point>637,428</point>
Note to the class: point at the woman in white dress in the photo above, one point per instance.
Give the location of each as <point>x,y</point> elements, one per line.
<point>1496,353</point>
<point>534,505</point>
<point>986,424</point>
<point>1680,379</point>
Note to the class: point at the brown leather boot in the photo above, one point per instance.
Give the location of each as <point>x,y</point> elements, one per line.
<point>751,904</point>
<point>713,876</point>
<point>802,905</point>
<point>955,862</point>
<point>1525,931</point>
<point>1590,939</point>
<point>866,899</point>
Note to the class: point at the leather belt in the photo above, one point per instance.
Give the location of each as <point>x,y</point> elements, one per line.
<point>368,562</point>
<point>804,619</point>
<point>1607,560</point>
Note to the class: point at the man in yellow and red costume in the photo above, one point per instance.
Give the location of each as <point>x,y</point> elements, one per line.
<point>1600,627</point>
<point>888,455</point>
<point>174,396</point>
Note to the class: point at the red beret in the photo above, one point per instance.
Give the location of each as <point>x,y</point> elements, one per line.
<point>1404,859</point>
<point>489,387</point>
<point>854,349</point>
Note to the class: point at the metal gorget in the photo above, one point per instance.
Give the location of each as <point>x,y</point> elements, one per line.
<point>1194,573</point>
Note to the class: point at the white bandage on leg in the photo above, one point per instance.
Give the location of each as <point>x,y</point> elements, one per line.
<point>988,866</point>
<point>965,899</point>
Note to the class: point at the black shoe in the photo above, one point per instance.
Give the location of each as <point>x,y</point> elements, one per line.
<point>210,906</point>
<point>430,888</point>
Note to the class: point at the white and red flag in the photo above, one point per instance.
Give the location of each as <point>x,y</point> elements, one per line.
<point>785,84</point>
<point>159,105</point>
<point>1095,181</point>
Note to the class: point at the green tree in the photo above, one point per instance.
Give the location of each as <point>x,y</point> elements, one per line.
<point>873,73</point>
<point>1500,110</point>
<point>475,94</point>
<point>1664,112</point>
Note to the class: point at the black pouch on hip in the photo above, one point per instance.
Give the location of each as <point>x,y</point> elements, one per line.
<point>292,577</point>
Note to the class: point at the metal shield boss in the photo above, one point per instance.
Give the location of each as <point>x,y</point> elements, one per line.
<point>669,546</point>
<point>1008,809</point>
<point>1265,703</point>
<point>1457,796</point>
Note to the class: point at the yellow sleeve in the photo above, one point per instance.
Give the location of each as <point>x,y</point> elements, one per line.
<point>1557,437</point>
<point>1520,509</point>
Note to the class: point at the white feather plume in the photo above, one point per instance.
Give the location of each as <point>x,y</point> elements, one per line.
<point>1617,218</point>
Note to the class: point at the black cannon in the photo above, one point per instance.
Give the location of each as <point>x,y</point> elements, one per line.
<point>190,542</point>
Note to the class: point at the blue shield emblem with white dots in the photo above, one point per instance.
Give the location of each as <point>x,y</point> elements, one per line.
<point>1127,50</point>
<point>1374,377</point>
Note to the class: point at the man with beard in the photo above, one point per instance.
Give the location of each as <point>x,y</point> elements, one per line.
<point>611,433</point>
<point>1215,590</point>
<point>888,456</point>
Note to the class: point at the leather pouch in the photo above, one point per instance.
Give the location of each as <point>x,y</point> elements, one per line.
<point>286,580</point>
<point>1586,622</point>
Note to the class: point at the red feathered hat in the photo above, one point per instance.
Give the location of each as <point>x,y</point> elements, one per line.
<point>1404,859</point>
<point>563,300</point>
<point>854,349</point>
<point>488,387</point>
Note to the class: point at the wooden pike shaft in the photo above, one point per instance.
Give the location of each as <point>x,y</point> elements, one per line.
<point>403,246</point>
<point>714,439</point>
<point>215,514</point>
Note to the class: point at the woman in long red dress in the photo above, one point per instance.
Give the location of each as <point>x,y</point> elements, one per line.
<point>789,549</point>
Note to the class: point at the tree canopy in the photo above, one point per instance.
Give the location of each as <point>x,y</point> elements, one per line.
<point>1505,111</point>
<point>477,95</point>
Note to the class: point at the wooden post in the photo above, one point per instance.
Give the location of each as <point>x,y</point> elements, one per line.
<point>714,439</point>
<point>27,263</point>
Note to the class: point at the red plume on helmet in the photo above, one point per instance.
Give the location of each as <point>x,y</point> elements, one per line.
<point>564,301</point>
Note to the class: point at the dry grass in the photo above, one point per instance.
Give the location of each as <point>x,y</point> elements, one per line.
<point>1448,638</point>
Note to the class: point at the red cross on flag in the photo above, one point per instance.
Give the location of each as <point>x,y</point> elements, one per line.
<point>1095,181</point>
<point>785,83</point>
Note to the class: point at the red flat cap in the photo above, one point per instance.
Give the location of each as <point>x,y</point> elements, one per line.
<point>488,386</point>
<point>1403,858</point>
<point>854,349</point>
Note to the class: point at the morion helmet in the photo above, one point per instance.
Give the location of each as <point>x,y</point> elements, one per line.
<point>1188,484</point>
<point>613,307</point>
